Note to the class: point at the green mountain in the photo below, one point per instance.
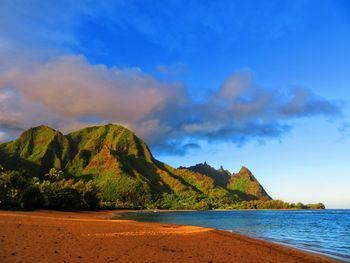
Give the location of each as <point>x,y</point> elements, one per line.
<point>243,183</point>
<point>121,167</point>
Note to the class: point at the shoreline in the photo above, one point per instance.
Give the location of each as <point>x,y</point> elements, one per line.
<point>118,214</point>
<point>43,236</point>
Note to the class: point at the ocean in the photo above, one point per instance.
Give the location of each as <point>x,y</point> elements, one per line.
<point>322,231</point>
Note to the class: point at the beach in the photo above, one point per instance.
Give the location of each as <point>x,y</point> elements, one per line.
<point>51,236</point>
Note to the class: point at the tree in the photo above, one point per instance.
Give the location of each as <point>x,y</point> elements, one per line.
<point>54,175</point>
<point>62,198</point>
<point>12,184</point>
<point>123,190</point>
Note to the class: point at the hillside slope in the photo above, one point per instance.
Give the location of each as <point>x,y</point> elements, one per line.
<point>121,165</point>
<point>242,183</point>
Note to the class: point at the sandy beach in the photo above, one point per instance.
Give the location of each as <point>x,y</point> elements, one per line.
<point>50,236</point>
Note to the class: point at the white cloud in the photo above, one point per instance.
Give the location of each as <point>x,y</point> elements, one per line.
<point>68,93</point>
<point>64,90</point>
<point>70,86</point>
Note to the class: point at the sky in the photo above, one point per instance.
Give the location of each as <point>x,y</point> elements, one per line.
<point>264,84</point>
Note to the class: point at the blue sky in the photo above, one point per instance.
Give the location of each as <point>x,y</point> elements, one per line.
<point>258,83</point>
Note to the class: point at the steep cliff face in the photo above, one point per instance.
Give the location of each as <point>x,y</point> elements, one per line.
<point>109,151</point>
<point>245,182</point>
<point>221,176</point>
<point>242,183</point>
<point>36,150</point>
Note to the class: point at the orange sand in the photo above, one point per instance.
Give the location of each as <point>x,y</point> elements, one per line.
<point>49,236</point>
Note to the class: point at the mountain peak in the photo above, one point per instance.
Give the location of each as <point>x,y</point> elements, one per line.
<point>245,170</point>
<point>41,128</point>
<point>107,152</point>
<point>108,127</point>
<point>116,137</point>
<point>39,134</point>
<point>245,181</point>
<point>221,176</point>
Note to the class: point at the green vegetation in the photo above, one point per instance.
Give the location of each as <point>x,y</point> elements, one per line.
<point>240,184</point>
<point>108,167</point>
<point>273,204</point>
<point>57,191</point>
<point>121,192</point>
<point>243,184</point>
<point>18,190</point>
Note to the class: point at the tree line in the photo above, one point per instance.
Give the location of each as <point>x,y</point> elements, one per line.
<point>56,190</point>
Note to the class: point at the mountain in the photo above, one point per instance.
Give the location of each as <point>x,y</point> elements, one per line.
<point>243,182</point>
<point>221,177</point>
<point>122,166</point>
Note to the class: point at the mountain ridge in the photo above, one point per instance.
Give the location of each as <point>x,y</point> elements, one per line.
<point>243,181</point>
<point>112,156</point>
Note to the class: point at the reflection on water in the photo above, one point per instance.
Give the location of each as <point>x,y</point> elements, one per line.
<point>322,231</point>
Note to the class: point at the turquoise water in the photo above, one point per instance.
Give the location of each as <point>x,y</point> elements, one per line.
<point>322,231</point>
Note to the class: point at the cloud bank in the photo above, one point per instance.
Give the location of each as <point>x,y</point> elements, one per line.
<point>69,93</point>
<point>44,81</point>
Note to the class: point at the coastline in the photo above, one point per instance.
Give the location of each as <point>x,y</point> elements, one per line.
<point>44,236</point>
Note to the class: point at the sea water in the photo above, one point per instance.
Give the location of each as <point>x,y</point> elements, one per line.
<point>321,231</point>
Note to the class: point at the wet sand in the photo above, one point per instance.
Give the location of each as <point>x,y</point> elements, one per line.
<point>50,236</point>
